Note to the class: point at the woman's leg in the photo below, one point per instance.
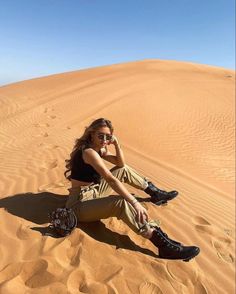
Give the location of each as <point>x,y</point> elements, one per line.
<point>116,206</point>
<point>111,206</point>
<point>125,174</point>
<point>78,194</point>
<point>130,176</point>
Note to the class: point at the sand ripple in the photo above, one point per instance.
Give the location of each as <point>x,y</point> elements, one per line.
<point>175,123</point>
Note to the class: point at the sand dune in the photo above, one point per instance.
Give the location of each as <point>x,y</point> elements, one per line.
<point>175,122</point>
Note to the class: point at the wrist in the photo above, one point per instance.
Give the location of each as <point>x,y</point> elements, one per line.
<point>117,144</point>
<point>134,201</point>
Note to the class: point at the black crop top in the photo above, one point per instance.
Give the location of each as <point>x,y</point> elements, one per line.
<point>82,171</point>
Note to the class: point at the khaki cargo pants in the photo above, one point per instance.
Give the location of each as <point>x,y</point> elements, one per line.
<point>95,202</point>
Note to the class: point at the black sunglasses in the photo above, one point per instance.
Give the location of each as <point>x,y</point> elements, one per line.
<point>104,137</point>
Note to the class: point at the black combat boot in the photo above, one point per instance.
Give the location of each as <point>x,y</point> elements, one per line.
<point>170,249</point>
<point>159,196</point>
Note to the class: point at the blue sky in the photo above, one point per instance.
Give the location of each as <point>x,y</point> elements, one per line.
<point>43,37</point>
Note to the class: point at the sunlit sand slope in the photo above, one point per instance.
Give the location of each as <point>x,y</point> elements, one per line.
<point>175,123</point>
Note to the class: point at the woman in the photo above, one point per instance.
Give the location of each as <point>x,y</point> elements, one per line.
<point>92,183</point>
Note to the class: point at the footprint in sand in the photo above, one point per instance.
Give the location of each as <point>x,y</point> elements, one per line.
<point>35,274</point>
<point>77,238</point>
<point>10,272</point>
<point>49,165</point>
<point>56,287</point>
<point>200,288</point>
<point>222,249</point>
<point>39,125</point>
<point>94,287</point>
<point>76,279</point>
<point>74,256</point>
<point>183,272</point>
<point>30,268</point>
<point>107,272</point>
<point>34,249</point>
<point>220,244</point>
<point>47,109</point>
<point>200,221</point>
<point>202,225</point>
<point>228,232</point>
<point>149,288</point>
<point>52,116</point>
<point>48,146</point>
<point>23,233</point>
<point>42,135</point>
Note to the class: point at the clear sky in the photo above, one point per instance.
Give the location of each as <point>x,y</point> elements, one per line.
<point>43,37</point>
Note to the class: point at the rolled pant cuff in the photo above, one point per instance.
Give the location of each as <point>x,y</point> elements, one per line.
<point>148,225</point>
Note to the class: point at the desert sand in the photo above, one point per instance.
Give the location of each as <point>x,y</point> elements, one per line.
<point>175,123</point>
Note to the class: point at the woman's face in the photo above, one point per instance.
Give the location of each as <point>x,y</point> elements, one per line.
<point>101,137</point>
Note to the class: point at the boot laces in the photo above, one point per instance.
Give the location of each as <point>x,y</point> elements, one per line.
<point>155,189</point>
<point>170,243</point>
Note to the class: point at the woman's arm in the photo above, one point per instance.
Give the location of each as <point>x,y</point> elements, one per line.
<point>117,159</point>
<point>91,157</point>
<point>119,153</point>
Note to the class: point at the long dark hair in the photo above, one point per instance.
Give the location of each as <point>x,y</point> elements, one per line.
<point>85,141</point>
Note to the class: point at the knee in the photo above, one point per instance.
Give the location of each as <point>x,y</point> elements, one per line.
<point>123,206</point>
<point>120,167</point>
<point>120,202</point>
<point>118,206</point>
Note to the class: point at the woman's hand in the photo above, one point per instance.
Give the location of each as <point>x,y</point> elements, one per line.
<point>142,215</point>
<point>113,140</point>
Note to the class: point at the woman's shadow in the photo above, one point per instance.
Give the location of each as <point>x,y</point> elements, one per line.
<point>35,207</point>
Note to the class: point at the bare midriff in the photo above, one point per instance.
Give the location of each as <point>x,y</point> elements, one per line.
<point>77,183</point>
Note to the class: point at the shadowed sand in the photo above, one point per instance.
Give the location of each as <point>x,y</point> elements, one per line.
<point>175,123</point>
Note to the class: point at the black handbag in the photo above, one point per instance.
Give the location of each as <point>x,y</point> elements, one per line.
<point>63,221</point>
